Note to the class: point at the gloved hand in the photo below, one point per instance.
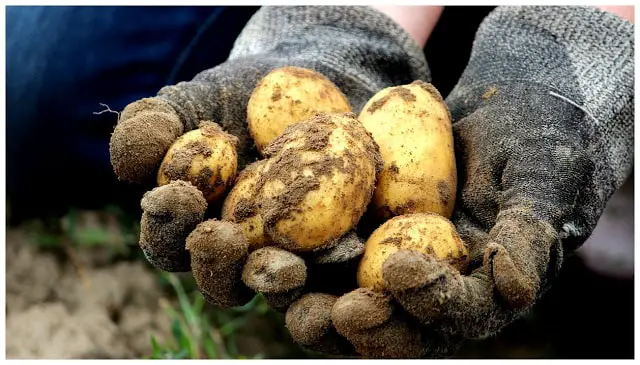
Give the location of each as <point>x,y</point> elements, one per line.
<point>543,124</point>
<point>361,51</point>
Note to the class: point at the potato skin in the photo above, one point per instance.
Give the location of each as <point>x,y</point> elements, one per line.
<point>206,157</point>
<point>412,126</point>
<point>318,181</point>
<point>288,95</point>
<point>428,233</point>
<point>240,206</point>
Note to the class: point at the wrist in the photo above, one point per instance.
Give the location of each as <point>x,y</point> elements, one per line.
<point>625,12</point>
<point>418,21</point>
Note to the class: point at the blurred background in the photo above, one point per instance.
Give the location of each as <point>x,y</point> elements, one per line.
<point>77,284</point>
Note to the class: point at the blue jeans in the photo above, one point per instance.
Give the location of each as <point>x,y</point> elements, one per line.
<point>62,62</point>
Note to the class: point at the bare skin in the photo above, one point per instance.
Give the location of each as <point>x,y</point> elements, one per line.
<point>418,21</point>
<point>625,12</point>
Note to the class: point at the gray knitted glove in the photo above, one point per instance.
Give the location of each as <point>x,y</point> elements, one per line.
<point>360,50</point>
<point>543,121</point>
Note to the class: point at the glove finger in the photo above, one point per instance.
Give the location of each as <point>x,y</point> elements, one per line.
<point>440,296</point>
<point>518,255</point>
<point>145,131</point>
<point>218,251</point>
<point>522,194</point>
<point>276,273</point>
<point>309,321</point>
<point>538,201</point>
<point>170,213</point>
<point>367,320</point>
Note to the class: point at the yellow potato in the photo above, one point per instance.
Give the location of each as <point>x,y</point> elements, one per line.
<point>241,206</point>
<point>318,180</point>
<point>412,127</point>
<point>206,157</point>
<point>428,233</point>
<point>288,95</point>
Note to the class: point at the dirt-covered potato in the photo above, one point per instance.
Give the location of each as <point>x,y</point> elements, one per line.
<point>288,95</point>
<point>317,182</point>
<point>170,213</point>
<point>205,157</point>
<point>428,233</point>
<point>240,206</point>
<point>218,251</point>
<point>412,127</point>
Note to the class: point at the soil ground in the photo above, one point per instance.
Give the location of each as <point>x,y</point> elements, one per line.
<point>84,302</point>
<point>58,310</point>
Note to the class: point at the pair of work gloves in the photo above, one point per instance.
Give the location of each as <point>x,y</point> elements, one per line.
<point>543,128</point>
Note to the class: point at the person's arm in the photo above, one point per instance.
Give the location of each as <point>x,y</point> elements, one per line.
<point>418,21</point>
<point>625,12</point>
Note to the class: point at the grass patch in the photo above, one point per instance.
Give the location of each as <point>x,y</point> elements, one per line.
<point>198,333</point>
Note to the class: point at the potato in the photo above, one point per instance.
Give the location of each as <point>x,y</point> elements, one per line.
<point>241,206</point>
<point>412,126</point>
<point>317,182</point>
<point>429,233</point>
<point>205,157</point>
<point>288,95</point>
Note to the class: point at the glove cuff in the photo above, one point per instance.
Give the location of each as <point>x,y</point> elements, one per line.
<point>585,54</point>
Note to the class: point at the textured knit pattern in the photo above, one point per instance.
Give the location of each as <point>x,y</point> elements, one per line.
<point>543,120</point>
<point>358,48</point>
<point>581,55</point>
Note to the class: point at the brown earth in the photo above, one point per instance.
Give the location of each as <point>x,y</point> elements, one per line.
<point>55,310</point>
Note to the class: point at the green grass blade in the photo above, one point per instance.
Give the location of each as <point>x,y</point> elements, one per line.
<point>185,304</point>
<point>233,325</point>
<point>209,348</point>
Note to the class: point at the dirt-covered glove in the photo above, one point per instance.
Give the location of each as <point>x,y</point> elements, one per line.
<point>543,123</point>
<point>359,49</point>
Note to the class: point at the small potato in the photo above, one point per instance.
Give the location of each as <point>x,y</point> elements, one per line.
<point>288,95</point>
<point>241,206</point>
<point>412,126</point>
<point>317,181</point>
<point>428,233</point>
<point>205,157</point>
